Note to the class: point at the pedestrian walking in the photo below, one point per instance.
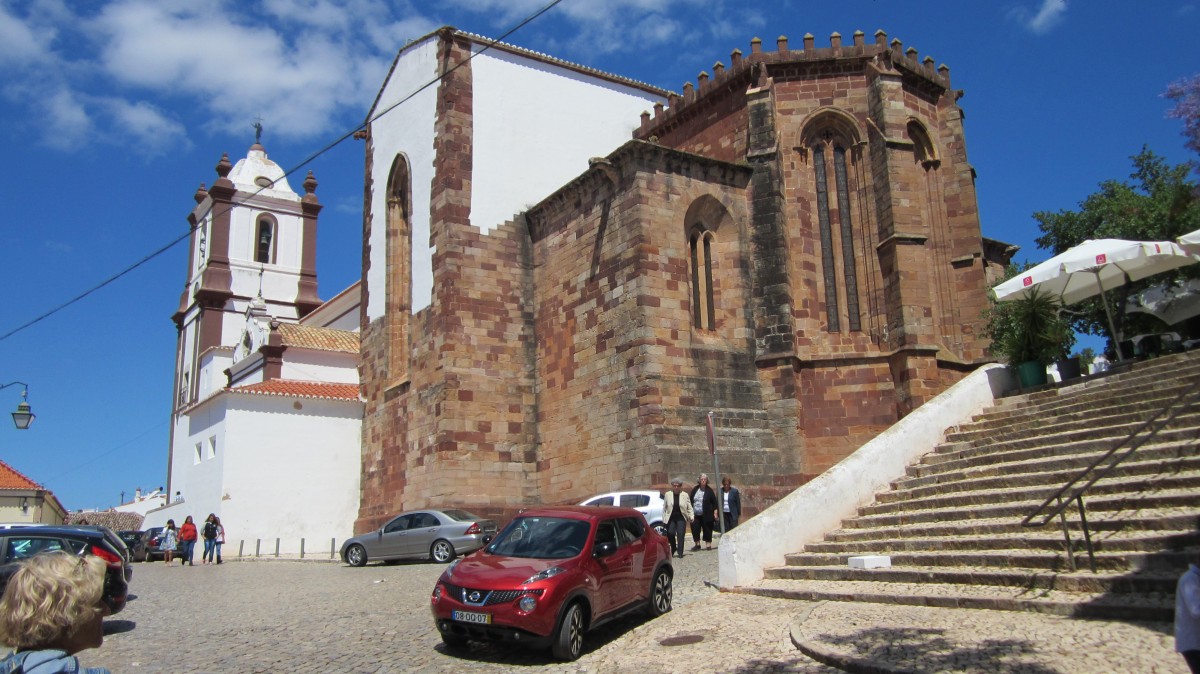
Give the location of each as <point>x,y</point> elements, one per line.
<point>731,504</point>
<point>187,539</point>
<point>704,505</point>
<point>677,511</point>
<point>1187,616</point>
<point>52,608</point>
<point>220,537</point>
<point>209,532</point>
<point>169,543</point>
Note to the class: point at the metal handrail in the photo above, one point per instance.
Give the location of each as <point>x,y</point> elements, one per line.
<point>1136,440</point>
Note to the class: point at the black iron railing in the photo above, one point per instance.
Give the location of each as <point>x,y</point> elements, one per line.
<point>1074,490</point>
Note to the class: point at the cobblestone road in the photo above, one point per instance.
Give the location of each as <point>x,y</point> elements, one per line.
<point>281,616</point>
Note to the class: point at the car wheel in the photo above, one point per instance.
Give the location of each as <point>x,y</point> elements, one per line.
<point>661,593</point>
<point>356,555</point>
<point>660,528</point>
<point>441,551</point>
<point>568,640</point>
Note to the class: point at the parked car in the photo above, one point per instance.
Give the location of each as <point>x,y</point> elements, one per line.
<point>440,535</point>
<point>649,503</point>
<point>136,542</point>
<point>551,575</point>
<point>153,538</point>
<point>112,537</point>
<point>21,542</point>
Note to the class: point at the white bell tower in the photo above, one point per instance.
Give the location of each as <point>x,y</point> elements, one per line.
<point>253,244</point>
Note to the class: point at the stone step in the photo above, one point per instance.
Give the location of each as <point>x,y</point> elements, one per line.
<point>1165,371</point>
<point>1158,606</point>
<point>1016,559</point>
<point>1141,582</point>
<point>1101,431</point>
<point>1044,538</point>
<point>1011,493</point>
<point>1167,498</point>
<point>978,457</point>
<point>1133,409</point>
<point>1166,386</point>
<point>1168,458</point>
<point>1148,520</point>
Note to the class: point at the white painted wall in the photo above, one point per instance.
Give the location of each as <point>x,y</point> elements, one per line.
<point>296,475</point>
<point>278,471</point>
<point>535,126</point>
<point>408,130</point>
<point>324,366</point>
<point>819,506</point>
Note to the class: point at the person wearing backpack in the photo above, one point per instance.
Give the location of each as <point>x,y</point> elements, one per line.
<point>209,531</point>
<point>220,539</point>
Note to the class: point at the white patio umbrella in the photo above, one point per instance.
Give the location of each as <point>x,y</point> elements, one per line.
<point>1093,267</point>
<point>1190,242</point>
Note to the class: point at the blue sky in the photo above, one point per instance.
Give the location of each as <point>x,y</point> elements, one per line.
<point>113,113</point>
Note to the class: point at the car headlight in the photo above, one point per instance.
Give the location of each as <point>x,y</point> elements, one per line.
<point>450,569</point>
<point>543,575</point>
<point>437,592</point>
<point>527,603</point>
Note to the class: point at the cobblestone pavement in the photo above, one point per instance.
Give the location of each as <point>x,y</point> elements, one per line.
<point>291,616</point>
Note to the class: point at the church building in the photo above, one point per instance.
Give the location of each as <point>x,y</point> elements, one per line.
<point>565,271</point>
<point>266,420</point>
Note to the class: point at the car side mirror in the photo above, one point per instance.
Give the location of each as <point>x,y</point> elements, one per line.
<point>604,549</point>
<point>487,539</point>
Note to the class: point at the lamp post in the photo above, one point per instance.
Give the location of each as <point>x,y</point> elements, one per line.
<point>24,416</point>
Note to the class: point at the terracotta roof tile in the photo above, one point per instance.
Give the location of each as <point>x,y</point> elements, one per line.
<point>302,389</point>
<point>321,339</point>
<point>10,478</point>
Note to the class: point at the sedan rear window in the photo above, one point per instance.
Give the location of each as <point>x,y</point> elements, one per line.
<point>461,515</point>
<point>634,500</point>
<point>541,538</point>
<point>20,548</point>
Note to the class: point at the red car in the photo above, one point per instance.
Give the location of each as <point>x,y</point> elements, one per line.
<point>553,574</point>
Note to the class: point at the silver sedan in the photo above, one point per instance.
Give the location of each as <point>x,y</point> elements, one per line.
<point>440,535</point>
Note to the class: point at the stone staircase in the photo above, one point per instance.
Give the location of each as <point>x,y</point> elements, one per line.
<point>953,525</point>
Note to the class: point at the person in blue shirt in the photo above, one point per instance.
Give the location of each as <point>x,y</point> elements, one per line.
<point>52,608</point>
<point>1187,616</point>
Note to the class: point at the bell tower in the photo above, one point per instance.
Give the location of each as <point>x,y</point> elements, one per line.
<point>253,242</point>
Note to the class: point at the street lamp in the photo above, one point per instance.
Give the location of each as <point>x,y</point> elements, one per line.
<point>24,415</point>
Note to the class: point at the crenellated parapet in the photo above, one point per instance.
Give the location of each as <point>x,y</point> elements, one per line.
<point>758,67</point>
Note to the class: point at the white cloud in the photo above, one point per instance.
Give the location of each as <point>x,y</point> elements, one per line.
<point>66,121</point>
<point>154,129</point>
<point>1049,15</point>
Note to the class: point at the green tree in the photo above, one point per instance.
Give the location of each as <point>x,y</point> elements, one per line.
<point>1158,203</point>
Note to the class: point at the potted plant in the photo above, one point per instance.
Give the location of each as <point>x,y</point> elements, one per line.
<point>1030,334</point>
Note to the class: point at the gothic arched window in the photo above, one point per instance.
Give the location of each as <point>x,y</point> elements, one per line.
<point>399,266</point>
<point>832,171</point>
<point>703,304</point>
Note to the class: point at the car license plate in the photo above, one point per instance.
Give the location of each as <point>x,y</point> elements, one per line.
<point>469,617</point>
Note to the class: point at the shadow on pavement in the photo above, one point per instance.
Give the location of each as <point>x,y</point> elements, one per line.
<point>925,650</point>
<point>515,654</point>
<point>118,626</point>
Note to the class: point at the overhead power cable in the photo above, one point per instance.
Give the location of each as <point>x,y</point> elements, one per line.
<point>306,161</point>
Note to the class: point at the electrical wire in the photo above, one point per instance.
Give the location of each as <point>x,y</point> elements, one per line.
<point>306,161</point>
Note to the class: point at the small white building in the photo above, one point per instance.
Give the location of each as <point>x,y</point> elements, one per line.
<point>267,417</point>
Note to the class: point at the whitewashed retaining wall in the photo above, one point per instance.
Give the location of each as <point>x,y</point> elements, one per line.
<point>819,506</point>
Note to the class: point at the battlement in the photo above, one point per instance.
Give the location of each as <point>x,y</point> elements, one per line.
<point>754,70</point>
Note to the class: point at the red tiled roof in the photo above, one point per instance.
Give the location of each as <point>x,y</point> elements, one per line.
<point>301,389</point>
<point>321,339</point>
<point>10,478</point>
